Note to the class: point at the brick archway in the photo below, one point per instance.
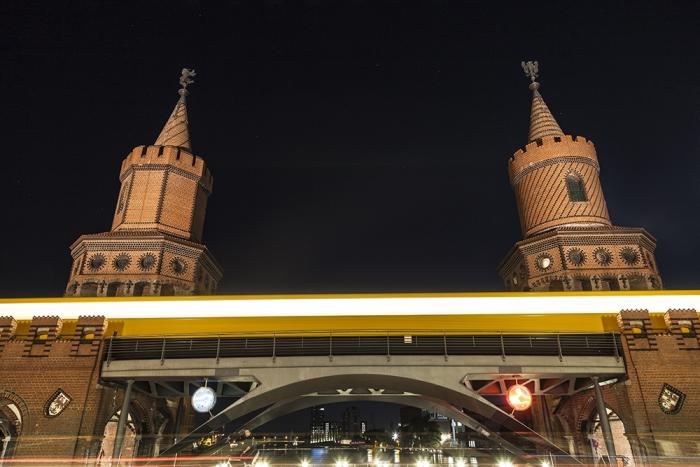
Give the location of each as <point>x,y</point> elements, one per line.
<point>587,415</point>
<point>19,418</point>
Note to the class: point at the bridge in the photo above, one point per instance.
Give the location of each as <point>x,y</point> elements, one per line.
<point>450,373</point>
<point>453,354</point>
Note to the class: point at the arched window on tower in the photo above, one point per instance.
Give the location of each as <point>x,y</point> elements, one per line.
<point>577,191</point>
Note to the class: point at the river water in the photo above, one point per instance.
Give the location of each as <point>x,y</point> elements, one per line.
<point>349,457</point>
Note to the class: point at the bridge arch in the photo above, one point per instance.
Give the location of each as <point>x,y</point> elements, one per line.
<point>282,390</point>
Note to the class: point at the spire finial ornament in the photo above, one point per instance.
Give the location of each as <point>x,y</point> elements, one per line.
<point>185,80</point>
<point>532,71</point>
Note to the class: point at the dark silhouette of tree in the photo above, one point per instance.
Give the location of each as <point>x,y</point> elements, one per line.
<point>420,432</point>
<point>377,436</point>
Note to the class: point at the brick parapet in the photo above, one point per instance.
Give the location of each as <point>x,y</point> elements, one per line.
<point>87,336</point>
<point>168,156</point>
<point>636,327</point>
<point>43,332</point>
<point>684,325</point>
<point>550,147</point>
<point>8,328</point>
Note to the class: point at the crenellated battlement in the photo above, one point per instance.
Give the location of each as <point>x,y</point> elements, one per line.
<point>46,336</point>
<point>168,155</point>
<point>548,148</point>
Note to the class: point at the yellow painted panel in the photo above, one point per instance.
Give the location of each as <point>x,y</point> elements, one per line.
<point>591,323</point>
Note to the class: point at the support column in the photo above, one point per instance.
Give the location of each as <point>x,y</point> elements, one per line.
<point>123,417</point>
<point>179,414</point>
<point>604,422</point>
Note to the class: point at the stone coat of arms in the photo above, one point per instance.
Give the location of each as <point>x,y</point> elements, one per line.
<point>57,403</point>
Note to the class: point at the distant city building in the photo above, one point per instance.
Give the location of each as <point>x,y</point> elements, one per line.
<point>317,431</point>
<point>352,425</point>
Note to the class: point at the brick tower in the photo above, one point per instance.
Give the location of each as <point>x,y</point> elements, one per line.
<point>569,240</point>
<point>154,247</point>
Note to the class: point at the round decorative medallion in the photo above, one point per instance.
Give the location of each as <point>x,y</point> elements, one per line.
<point>629,256</point>
<point>576,256</point>
<point>96,262</point>
<point>121,262</point>
<point>178,266</point>
<point>544,261</point>
<point>602,256</point>
<point>147,261</point>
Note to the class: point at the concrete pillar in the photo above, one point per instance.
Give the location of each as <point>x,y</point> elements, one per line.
<point>604,422</point>
<point>123,418</point>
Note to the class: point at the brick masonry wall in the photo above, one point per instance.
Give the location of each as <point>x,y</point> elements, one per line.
<point>30,375</point>
<point>34,380</point>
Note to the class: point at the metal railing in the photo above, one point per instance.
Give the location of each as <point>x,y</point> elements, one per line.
<point>370,343</point>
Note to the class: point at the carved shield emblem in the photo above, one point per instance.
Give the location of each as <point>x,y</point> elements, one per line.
<point>671,399</point>
<point>57,403</point>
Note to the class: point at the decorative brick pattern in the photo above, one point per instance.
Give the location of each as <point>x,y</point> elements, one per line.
<point>88,335</point>
<point>685,327</point>
<point>160,212</point>
<point>636,329</point>
<point>43,332</point>
<point>8,327</point>
<point>563,214</point>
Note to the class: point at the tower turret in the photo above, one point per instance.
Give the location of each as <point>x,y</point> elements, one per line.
<point>154,246</point>
<point>569,240</point>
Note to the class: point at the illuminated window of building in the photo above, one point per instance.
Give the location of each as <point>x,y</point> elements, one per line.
<point>637,327</point>
<point>42,334</point>
<point>88,334</point>
<point>576,189</point>
<point>686,327</point>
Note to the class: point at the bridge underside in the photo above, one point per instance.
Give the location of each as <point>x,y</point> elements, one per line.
<point>455,386</point>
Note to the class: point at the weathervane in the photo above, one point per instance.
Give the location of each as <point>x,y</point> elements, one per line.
<point>532,71</point>
<point>186,80</point>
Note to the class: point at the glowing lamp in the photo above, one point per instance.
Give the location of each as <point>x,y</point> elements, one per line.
<point>519,397</point>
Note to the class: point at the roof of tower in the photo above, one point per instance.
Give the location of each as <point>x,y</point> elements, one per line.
<point>542,122</point>
<point>176,131</point>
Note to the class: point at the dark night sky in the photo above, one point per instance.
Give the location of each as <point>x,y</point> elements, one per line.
<point>357,146</point>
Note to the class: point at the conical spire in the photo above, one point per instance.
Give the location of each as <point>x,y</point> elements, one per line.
<point>176,131</point>
<point>542,122</point>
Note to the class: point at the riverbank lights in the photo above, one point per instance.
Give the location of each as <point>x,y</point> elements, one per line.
<point>395,436</point>
<point>544,464</point>
<point>505,463</point>
<point>342,463</point>
<point>304,463</point>
<point>519,397</point>
<point>423,463</point>
<point>261,464</point>
<point>460,463</point>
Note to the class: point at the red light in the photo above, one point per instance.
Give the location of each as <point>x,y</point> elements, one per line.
<point>519,397</point>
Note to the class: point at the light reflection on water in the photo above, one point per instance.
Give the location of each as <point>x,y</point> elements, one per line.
<point>328,456</point>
